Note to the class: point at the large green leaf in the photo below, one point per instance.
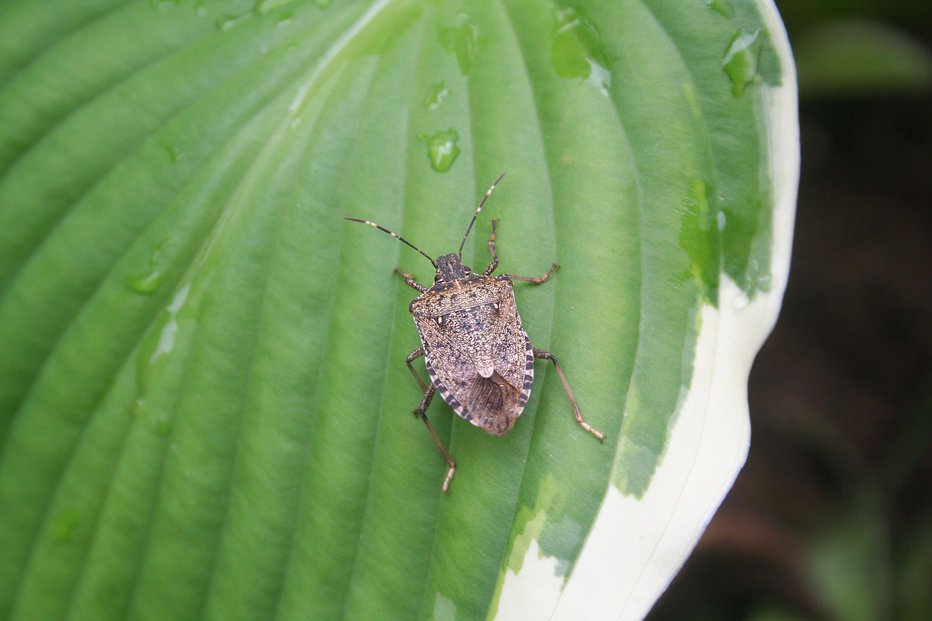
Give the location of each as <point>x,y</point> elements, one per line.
<point>204,406</point>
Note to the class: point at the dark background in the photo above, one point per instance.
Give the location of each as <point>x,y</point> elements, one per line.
<point>831,518</point>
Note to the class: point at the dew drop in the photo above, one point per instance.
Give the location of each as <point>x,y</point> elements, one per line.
<point>166,341</point>
<point>740,62</point>
<point>577,50</point>
<point>264,6</point>
<point>759,279</point>
<point>444,608</point>
<point>284,19</point>
<point>148,279</point>
<point>146,283</point>
<point>441,149</point>
<point>225,22</point>
<point>599,77</point>
<point>158,343</point>
<point>461,40</point>
<point>722,7</point>
<point>435,95</point>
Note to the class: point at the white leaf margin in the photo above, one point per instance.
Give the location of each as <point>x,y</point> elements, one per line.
<point>636,546</point>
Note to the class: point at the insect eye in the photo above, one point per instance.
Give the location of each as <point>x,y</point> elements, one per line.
<point>437,277</point>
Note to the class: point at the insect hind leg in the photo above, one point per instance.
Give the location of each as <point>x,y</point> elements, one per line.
<point>546,355</point>
<point>421,412</point>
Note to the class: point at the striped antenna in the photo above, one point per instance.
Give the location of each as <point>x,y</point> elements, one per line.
<point>398,237</point>
<point>488,193</point>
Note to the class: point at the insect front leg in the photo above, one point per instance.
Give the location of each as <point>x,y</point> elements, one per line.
<point>536,280</point>
<point>409,280</point>
<point>421,412</point>
<point>417,353</point>
<point>546,355</point>
<point>494,264</point>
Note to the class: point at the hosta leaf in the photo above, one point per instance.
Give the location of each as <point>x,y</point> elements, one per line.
<point>204,407</point>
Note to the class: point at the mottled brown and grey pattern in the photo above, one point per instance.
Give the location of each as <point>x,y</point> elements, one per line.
<point>476,351</point>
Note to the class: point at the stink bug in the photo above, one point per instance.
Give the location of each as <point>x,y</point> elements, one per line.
<point>477,354</point>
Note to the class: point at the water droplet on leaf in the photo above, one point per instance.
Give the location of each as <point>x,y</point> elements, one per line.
<point>577,50</point>
<point>225,22</point>
<point>740,62</point>
<point>145,283</point>
<point>435,96</point>
<point>722,7</point>
<point>148,279</point>
<point>264,6</point>
<point>441,148</point>
<point>284,19</point>
<point>461,40</point>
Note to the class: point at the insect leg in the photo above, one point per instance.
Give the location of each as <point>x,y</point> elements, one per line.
<point>546,355</point>
<point>491,268</point>
<point>537,280</point>
<point>417,353</point>
<point>421,412</point>
<point>409,280</point>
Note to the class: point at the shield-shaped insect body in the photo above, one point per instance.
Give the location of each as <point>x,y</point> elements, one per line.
<point>477,354</point>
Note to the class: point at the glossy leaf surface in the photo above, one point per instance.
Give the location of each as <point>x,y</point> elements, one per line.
<point>204,406</point>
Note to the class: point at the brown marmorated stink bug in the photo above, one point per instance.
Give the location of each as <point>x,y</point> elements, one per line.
<point>477,354</point>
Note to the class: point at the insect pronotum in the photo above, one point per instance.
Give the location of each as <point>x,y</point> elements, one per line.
<point>477,354</point>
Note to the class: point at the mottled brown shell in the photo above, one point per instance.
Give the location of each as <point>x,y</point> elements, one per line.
<point>476,351</point>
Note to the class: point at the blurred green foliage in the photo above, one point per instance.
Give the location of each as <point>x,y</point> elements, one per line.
<point>860,47</point>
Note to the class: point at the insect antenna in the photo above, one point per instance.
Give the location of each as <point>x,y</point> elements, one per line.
<point>396,236</point>
<point>488,193</point>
